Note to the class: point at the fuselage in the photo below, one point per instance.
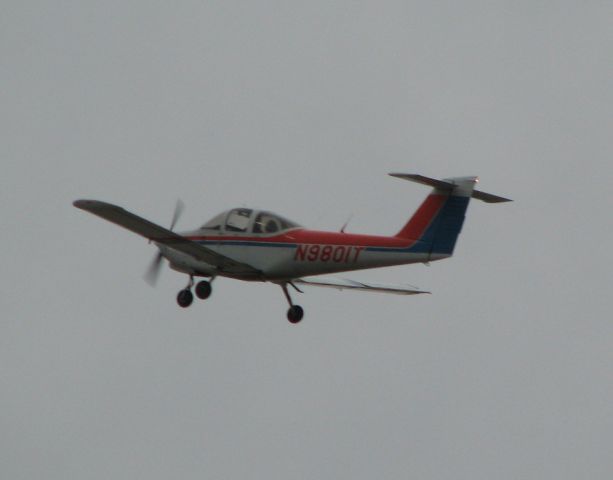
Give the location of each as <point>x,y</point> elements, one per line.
<point>300,252</point>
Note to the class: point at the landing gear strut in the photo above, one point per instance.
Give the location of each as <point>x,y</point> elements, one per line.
<point>295,312</point>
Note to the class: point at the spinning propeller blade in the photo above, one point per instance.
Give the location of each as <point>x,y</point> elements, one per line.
<point>179,207</point>
<point>153,272</point>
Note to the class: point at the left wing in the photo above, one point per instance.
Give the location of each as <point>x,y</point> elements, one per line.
<point>342,283</point>
<point>158,234</point>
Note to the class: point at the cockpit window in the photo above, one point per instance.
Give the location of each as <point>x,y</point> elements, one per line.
<point>215,223</point>
<point>267,222</point>
<point>238,220</point>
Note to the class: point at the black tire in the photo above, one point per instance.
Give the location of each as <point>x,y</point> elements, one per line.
<point>203,289</point>
<point>295,314</point>
<point>185,298</point>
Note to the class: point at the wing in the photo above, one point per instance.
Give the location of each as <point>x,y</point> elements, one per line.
<point>342,283</point>
<point>158,234</point>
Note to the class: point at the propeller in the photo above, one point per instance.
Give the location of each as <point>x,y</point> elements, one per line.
<point>153,272</point>
<point>179,207</point>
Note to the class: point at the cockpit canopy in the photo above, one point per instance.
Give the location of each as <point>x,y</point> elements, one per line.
<point>246,220</point>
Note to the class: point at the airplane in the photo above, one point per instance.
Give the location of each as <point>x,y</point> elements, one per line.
<point>258,245</point>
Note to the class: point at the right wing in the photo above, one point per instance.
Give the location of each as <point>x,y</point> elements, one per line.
<point>343,283</point>
<point>155,233</point>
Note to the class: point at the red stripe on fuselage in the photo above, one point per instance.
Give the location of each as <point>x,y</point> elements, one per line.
<point>423,217</point>
<point>313,237</point>
<point>338,238</point>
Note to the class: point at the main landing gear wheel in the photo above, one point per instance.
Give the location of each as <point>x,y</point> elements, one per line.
<point>203,289</point>
<point>295,313</point>
<point>185,298</point>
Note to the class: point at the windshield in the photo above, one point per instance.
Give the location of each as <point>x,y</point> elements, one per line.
<point>215,223</point>
<point>238,220</point>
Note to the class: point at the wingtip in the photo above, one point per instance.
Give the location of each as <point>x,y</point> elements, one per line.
<point>86,204</point>
<point>402,175</point>
<point>80,203</point>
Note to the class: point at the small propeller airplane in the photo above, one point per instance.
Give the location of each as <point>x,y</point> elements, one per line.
<point>258,245</point>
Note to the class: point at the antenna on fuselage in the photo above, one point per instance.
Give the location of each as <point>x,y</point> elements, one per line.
<point>346,223</point>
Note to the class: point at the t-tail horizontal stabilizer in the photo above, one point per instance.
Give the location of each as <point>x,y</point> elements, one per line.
<point>449,186</point>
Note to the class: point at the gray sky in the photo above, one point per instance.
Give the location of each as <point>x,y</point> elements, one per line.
<point>302,108</point>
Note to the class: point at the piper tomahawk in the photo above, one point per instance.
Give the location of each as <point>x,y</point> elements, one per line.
<point>258,245</point>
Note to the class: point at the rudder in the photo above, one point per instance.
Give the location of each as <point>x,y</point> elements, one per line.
<point>447,226</point>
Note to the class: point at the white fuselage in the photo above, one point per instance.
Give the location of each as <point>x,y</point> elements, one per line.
<point>291,257</point>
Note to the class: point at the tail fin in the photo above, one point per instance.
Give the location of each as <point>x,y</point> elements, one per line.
<point>438,221</point>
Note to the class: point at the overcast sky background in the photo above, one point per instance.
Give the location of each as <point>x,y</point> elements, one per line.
<point>303,108</point>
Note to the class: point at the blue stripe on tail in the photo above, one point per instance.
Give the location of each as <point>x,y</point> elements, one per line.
<point>443,232</point>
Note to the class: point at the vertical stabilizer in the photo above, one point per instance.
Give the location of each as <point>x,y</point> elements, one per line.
<point>438,221</point>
